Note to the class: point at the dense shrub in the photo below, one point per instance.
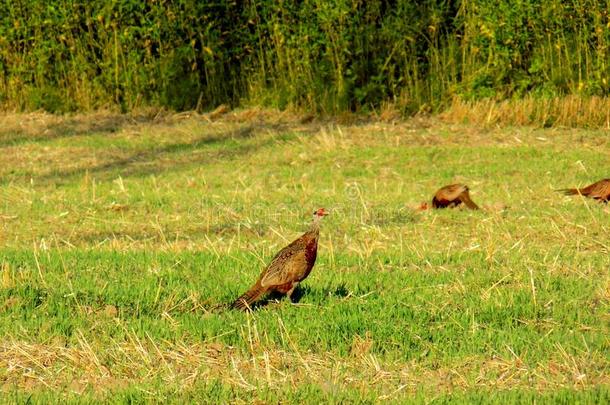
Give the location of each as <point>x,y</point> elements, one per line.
<point>63,55</point>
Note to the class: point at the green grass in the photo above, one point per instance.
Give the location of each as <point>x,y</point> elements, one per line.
<point>215,392</point>
<point>123,240</point>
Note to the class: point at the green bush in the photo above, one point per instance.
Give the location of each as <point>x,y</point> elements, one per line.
<point>66,55</point>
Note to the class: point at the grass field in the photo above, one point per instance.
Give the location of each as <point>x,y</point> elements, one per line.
<point>122,238</point>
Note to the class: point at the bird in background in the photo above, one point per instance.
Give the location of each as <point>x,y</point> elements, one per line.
<point>288,268</point>
<point>599,190</point>
<point>451,196</point>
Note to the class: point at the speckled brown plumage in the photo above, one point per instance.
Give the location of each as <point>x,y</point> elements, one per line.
<point>288,268</point>
<point>598,191</point>
<point>452,196</point>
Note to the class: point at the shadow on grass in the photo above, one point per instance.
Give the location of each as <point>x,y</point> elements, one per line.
<point>176,156</point>
<point>105,124</point>
<point>301,291</point>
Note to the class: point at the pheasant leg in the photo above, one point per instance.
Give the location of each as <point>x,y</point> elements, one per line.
<point>289,293</point>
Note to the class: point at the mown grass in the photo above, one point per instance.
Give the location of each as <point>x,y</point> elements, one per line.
<point>123,238</point>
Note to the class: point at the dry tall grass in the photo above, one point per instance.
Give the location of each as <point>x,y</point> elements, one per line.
<point>569,111</point>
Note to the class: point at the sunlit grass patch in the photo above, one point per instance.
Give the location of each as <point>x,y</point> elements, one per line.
<point>121,250</point>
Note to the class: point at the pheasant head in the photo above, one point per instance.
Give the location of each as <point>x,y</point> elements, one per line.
<point>423,206</point>
<point>319,213</point>
<point>317,218</point>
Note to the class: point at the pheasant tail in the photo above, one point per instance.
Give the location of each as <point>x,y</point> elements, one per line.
<point>245,301</point>
<point>465,197</point>
<point>569,191</point>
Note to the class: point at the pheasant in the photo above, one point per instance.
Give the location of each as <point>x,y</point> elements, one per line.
<point>451,196</point>
<point>598,191</point>
<point>288,268</point>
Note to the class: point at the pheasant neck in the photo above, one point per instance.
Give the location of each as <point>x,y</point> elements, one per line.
<point>315,224</point>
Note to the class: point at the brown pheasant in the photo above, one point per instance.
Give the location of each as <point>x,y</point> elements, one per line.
<point>289,267</point>
<point>451,196</point>
<point>598,191</point>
